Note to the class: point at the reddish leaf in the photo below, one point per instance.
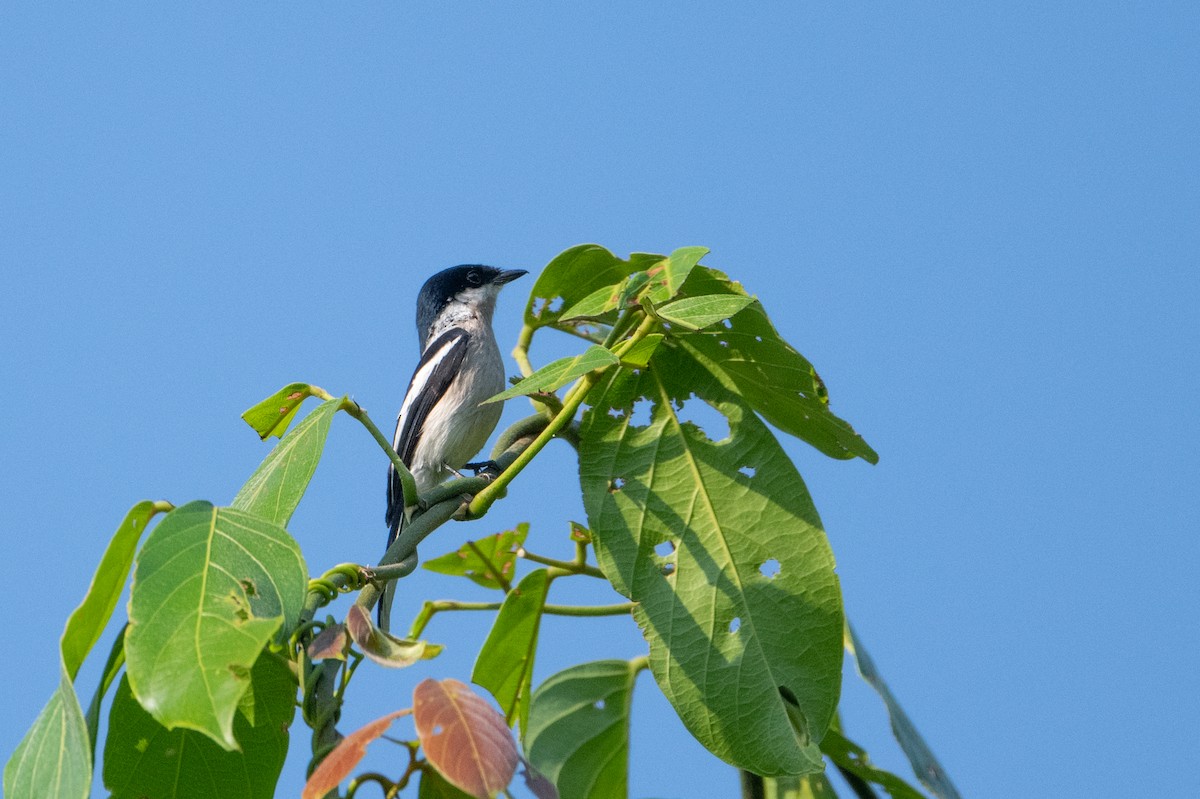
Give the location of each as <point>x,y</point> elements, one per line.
<point>331,643</point>
<point>338,764</point>
<point>464,737</point>
<point>385,648</point>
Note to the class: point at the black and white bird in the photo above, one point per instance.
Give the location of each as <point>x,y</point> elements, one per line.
<point>442,422</point>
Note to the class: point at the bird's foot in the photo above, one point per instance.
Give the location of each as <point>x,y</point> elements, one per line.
<point>488,469</point>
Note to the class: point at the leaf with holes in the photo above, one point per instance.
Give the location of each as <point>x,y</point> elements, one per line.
<point>582,272</point>
<point>579,729</point>
<point>742,655</point>
<point>927,768</point>
<point>143,758</point>
<point>279,482</point>
<point>505,662</point>
<point>383,647</point>
<point>669,275</point>
<point>696,313</point>
<point>557,374</point>
<point>464,737</point>
<point>497,551</point>
<point>852,758</point>
<point>53,759</point>
<point>338,764</point>
<point>272,416</point>
<point>211,588</point>
<point>748,357</point>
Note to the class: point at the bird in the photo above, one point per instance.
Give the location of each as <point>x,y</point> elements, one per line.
<point>442,421</point>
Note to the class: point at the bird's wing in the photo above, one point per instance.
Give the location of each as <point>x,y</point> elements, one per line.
<point>437,369</point>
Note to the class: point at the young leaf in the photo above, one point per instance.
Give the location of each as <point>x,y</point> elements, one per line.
<point>279,482</point>
<point>464,737</point>
<point>640,353</point>
<point>597,304</point>
<point>669,275</point>
<point>505,662</point>
<point>338,764</point>
<point>330,643</point>
<point>732,574</point>
<point>575,275</point>
<point>142,758</point>
<point>89,619</point>
<point>750,359</point>
<point>578,733</point>
<point>557,374</point>
<point>696,313</point>
<point>852,758</point>
<point>272,416</point>
<point>53,759</point>
<point>212,586</point>
<point>385,648</point>
<point>499,549</point>
<point>927,768</point>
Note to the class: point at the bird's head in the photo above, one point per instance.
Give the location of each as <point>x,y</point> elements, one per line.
<point>460,292</point>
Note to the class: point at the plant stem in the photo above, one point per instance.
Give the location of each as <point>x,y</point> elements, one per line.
<point>407,482</point>
<point>581,611</point>
<point>568,566</point>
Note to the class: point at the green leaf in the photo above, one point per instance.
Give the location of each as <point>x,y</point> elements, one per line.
<point>212,586</point>
<point>852,758</point>
<point>557,374</point>
<point>597,304</point>
<point>279,482</point>
<point>53,761</point>
<point>112,667</point>
<point>696,313</point>
<point>927,768</point>
<point>435,786</point>
<point>48,754</point>
<point>505,662</point>
<point>640,353</point>
<point>578,733</point>
<point>500,550</point>
<point>272,416</point>
<point>575,275</point>
<point>142,758</point>
<point>748,357</point>
<point>719,544</point>
<point>89,619</point>
<point>669,276</point>
<point>809,786</point>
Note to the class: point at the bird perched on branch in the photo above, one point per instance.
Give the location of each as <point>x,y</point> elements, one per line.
<point>442,422</point>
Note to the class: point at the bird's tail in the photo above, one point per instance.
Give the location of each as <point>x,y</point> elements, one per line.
<point>383,611</point>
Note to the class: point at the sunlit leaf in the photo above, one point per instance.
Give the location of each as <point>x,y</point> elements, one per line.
<point>500,551</point>
<point>53,760</point>
<point>718,543</point>
<point>557,374</point>
<point>212,586</point>
<point>272,416</point>
<point>144,759</point>
<point>927,768</point>
<point>669,275</point>
<point>749,357</point>
<point>577,274</point>
<point>385,648</point>
<point>339,763</point>
<point>89,619</point>
<point>696,313</point>
<point>640,353</point>
<point>505,662</point>
<point>464,737</point>
<point>578,732</point>
<point>597,304</point>
<point>279,482</point>
<point>853,758</point>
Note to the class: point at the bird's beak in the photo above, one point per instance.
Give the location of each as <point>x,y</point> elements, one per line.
<point>508,276</point>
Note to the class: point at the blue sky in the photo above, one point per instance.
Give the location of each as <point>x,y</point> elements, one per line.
<point>980,222</point>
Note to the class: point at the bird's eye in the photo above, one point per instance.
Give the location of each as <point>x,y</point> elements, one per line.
<point>474,279</point>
